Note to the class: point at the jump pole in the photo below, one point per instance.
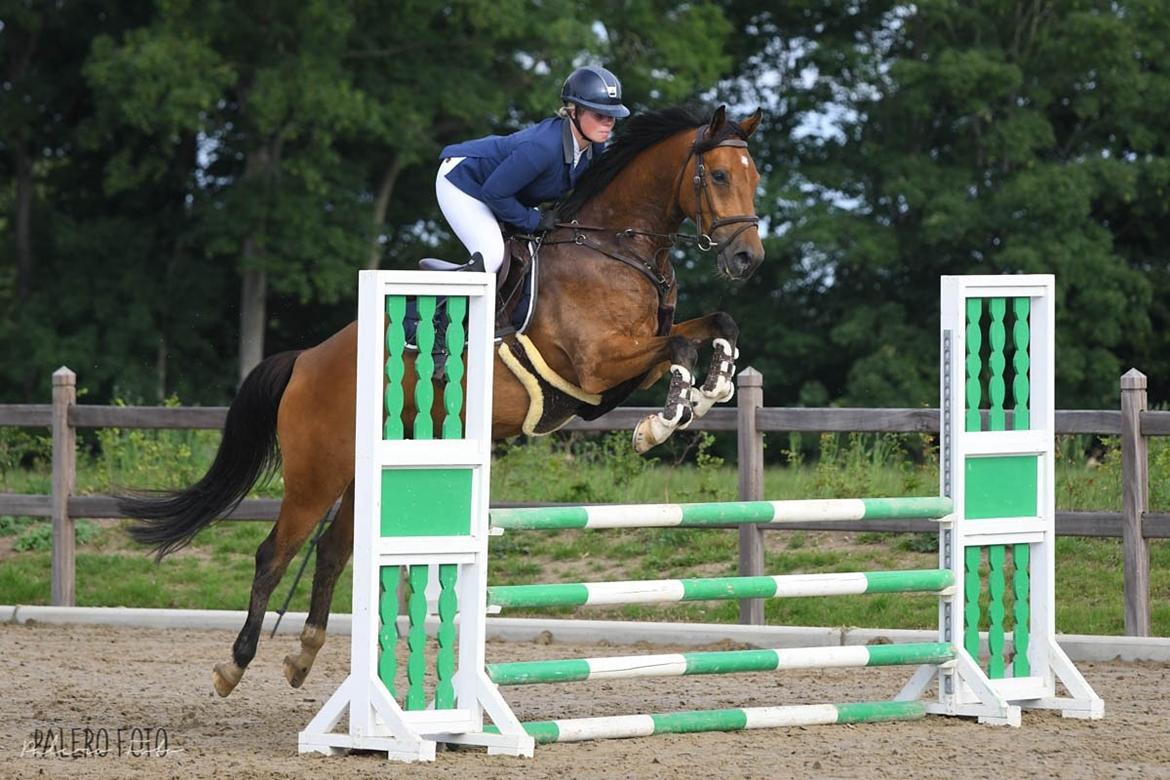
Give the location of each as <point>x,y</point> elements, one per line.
<point>737,719</point>
<point>718,662</point>
<point>719,588</point>
<point>699,515</point>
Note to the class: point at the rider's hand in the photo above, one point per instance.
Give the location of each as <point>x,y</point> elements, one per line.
<point>548,221</point>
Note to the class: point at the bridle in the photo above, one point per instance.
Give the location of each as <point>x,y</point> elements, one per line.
<point>701,239</point>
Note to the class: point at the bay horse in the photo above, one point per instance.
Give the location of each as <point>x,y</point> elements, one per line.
<point>603,323</point>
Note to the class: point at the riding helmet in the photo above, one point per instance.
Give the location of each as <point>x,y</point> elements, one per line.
<point>595,88</point>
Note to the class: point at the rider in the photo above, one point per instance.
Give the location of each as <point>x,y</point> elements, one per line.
<point>501,179</point>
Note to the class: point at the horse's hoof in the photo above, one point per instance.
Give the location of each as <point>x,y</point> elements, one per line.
<point>295,671</point>
<point>640,442</point>
<point>703,399</point>
<point>225,677</point>
<point>654,429</point>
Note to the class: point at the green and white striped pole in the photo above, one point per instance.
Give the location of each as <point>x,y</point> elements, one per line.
<point>739,719</point>
<point>697,515</point>
<point>722,662</point>
<point>660,591</point>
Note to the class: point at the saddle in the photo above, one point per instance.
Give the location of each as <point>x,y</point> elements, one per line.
<point>553,400</point>
<point>515,281</point>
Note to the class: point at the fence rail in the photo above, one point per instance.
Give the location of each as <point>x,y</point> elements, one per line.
<point>1132,422</point>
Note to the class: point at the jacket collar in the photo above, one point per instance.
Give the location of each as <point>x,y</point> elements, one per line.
<point>567,143</point>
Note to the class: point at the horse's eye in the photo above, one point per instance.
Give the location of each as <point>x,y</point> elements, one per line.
<point>719,177</point>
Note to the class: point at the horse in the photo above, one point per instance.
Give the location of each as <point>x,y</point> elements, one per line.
<point>603,324</point>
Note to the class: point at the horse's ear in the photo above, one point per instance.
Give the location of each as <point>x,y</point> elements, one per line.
<point>717,120</point>
<point>750,124</point>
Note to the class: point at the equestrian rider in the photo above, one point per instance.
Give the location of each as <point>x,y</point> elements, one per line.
<point>501,179</point>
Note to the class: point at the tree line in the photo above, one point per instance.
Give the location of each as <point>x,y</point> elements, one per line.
<point>189,186</point>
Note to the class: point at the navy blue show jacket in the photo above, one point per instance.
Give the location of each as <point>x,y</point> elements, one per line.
<point>511,174</point>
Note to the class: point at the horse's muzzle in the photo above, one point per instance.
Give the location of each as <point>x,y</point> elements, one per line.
<point>741,264</point>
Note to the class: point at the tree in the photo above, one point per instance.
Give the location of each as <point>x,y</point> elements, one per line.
<point>941,138</point>
<point>210,175</point>
<point>49,306</point>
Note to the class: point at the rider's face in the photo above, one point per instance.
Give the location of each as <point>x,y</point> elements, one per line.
<point>596,127</point>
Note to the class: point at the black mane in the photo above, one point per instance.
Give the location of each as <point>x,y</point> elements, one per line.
<point>632,137</point>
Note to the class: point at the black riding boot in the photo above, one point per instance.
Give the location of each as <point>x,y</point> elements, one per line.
<point>474,264</point>
<point>432,264</point>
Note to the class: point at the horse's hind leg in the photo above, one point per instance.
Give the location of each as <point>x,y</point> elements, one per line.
<point>333,552</point>
<point>296,521</point>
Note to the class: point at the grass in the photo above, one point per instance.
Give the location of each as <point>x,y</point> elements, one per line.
<point>215,571</point>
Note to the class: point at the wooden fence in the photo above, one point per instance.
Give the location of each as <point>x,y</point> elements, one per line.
<point>1132,422</point>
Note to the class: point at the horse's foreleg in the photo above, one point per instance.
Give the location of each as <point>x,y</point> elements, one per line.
<point>676,413</point>
<point>723,333</point>
<point>333,553</point>
<point>617,360</point>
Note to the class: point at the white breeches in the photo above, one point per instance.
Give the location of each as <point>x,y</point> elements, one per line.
<point>471,219</point>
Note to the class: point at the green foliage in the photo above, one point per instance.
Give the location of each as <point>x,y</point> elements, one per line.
<point>1159,460</point>
<point>1095,482</point>
<point>155,152</point>
<point>162,459</point>
<point>20,449</point>
<point>38,536</point>
<point>571,470</point>
<point>158,152</point>
<point>863,465</point>
<point>1090,479</point>
<point>12,526</point>
<point>943,138</point>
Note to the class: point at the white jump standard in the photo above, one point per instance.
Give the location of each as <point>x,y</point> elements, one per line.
<point>420,503</point>
<point>1002,481</point>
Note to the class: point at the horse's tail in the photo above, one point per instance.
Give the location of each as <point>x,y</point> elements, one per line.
<point>248,451</point>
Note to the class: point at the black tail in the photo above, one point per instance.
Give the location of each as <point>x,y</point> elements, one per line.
<point>247,452</point>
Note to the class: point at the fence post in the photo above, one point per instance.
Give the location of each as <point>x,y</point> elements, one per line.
<point>1135,470</point>
<point>64,480</point>
<point>750,387</point>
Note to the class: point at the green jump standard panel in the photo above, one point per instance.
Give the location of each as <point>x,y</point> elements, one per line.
<point>1001,486</point>
<point>426,502</point>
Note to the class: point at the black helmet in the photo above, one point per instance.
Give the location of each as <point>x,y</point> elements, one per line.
<point>595,88</point>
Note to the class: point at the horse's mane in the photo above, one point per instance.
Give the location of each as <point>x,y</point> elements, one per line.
<point>632,137</point>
